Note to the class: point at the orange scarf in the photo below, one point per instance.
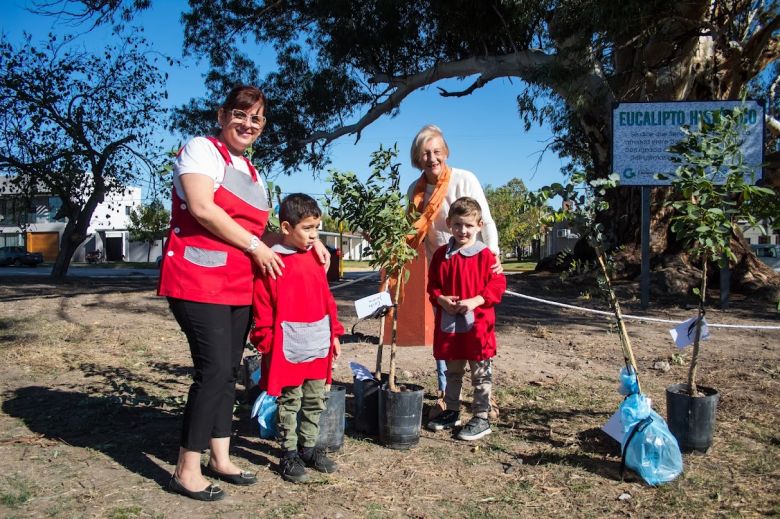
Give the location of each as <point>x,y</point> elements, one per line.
<point>431,209</point>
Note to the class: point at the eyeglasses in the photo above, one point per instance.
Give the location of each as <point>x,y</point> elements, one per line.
<point>257,121</point>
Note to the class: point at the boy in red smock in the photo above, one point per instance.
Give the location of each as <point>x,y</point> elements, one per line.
<point>297,330</point>
<point>464,290</point>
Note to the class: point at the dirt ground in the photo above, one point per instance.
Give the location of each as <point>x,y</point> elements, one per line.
<point>93,376</point>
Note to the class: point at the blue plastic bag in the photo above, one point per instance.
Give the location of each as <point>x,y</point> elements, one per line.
<point>648,447</point>
<point>264,409</point>
<point>629,384</point>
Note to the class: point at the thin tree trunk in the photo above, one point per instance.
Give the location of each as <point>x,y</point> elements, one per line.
<point>395,328</point>
<point>692,389</point>
<point>625,341</point>
<point>379,350</point>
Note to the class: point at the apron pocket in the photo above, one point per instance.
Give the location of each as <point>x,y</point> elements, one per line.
<point>458,323</point>
<point>302,342</point>
<point>205,257</point>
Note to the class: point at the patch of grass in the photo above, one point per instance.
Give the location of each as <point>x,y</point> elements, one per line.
<point>125,512</point>
<point>375,511</point>
<point>284,510</point>
<point>498,442</point>
<point>351,265</point>
<point>519,266</point>
<point>478,511</point>
<point>17,491</point>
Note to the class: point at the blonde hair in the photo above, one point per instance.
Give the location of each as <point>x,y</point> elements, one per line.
<point>428,132</point>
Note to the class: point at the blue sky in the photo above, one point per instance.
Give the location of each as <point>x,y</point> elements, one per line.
<point>483,130</point>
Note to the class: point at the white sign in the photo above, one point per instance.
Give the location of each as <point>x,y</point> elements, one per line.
<point>642,133</point>
<point>614,427</point>
<point>684,333</point>
<point>360,372</point>
<point>368,305</point>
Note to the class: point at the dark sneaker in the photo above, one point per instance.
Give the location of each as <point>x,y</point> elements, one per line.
<point>446,420</point>
<point>292,468</point>
<point>316,458</point>
<point>475,429</point>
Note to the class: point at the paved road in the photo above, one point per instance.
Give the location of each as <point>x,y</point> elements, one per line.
<point>78,271</point>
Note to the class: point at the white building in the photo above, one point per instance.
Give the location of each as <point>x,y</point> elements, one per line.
<point>35,227</point>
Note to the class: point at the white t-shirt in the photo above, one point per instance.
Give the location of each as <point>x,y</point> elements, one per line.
<point>199,156</point>
<point>462,183</point>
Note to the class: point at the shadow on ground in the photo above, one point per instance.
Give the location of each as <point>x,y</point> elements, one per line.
<point>130,435</point>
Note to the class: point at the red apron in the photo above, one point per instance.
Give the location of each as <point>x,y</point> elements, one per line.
<point>197,265</point>
<point>295,322</point>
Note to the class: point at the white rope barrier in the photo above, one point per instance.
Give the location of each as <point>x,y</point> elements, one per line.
<point>593,311</point>
<point>638,317</point>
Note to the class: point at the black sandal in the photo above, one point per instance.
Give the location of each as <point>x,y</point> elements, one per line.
<point>210,493</point>
<point>243,478</point>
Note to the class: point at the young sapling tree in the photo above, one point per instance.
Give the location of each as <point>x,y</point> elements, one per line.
<point>378,209</point>
<point>713,188</point>
<point>582,202</point>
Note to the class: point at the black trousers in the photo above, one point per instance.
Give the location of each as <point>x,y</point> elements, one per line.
<point>216,334</point>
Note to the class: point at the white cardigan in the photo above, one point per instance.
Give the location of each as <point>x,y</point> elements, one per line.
<point>462,183</point>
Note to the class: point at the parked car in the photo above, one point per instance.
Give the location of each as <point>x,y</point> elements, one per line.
<point>18,256</point>
<point>769,253</point>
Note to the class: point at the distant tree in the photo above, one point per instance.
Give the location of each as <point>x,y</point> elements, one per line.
<point>77,125</point>
<point>517,223</point>
<point>149,223</point>
<point>329,223</point>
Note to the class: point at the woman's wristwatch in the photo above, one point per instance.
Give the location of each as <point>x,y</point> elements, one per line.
<point>254,242</point>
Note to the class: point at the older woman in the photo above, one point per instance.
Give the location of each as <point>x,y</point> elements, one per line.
<point>220,208</point>
<point>431,195</point>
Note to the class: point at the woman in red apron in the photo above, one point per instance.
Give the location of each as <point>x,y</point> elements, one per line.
<point>220,208</point>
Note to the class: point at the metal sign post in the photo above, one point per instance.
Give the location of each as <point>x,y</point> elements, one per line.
<point>644,277</point>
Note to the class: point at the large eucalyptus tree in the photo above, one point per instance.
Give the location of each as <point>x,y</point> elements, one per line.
<point>342,64</point>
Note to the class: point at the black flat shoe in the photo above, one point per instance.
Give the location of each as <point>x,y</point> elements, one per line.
<point>242,478</point>
<point>210,493</point>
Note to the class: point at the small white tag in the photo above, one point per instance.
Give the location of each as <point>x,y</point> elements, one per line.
<point>614,427</point>
<point>360,372</point>
<point>684,333</point>
<point>367,305</point>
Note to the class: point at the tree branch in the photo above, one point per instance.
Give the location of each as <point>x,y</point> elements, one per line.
<point>479,83</point>
<point>773,124</point>
<point>516,64</point>
<point>108,151</point>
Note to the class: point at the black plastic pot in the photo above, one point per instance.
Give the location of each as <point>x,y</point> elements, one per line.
<point>331,436</point>
<point>366,410</point>
<point>400,416</point>
<point>691,419</point>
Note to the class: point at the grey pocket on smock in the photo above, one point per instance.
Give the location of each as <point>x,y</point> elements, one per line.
<point>205,257</point>
<point>458,323</point>
<point>302,342</point>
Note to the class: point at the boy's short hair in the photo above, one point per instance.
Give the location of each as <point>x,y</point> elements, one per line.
<point>296,207</point>
<point>465,206</point>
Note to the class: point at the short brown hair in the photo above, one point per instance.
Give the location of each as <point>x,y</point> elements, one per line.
<point>465,206</point>
<point>243,97</point>
<point>296,207</point>
<point>428,132</point>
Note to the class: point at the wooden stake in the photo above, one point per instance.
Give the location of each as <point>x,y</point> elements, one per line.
<point>394,310</point>
<point>378,370</point>
<point>625,341</point>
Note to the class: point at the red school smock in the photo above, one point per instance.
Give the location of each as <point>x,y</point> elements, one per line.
<point>295,322</point>
<point>197,265</point>
<point>466,273</point>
